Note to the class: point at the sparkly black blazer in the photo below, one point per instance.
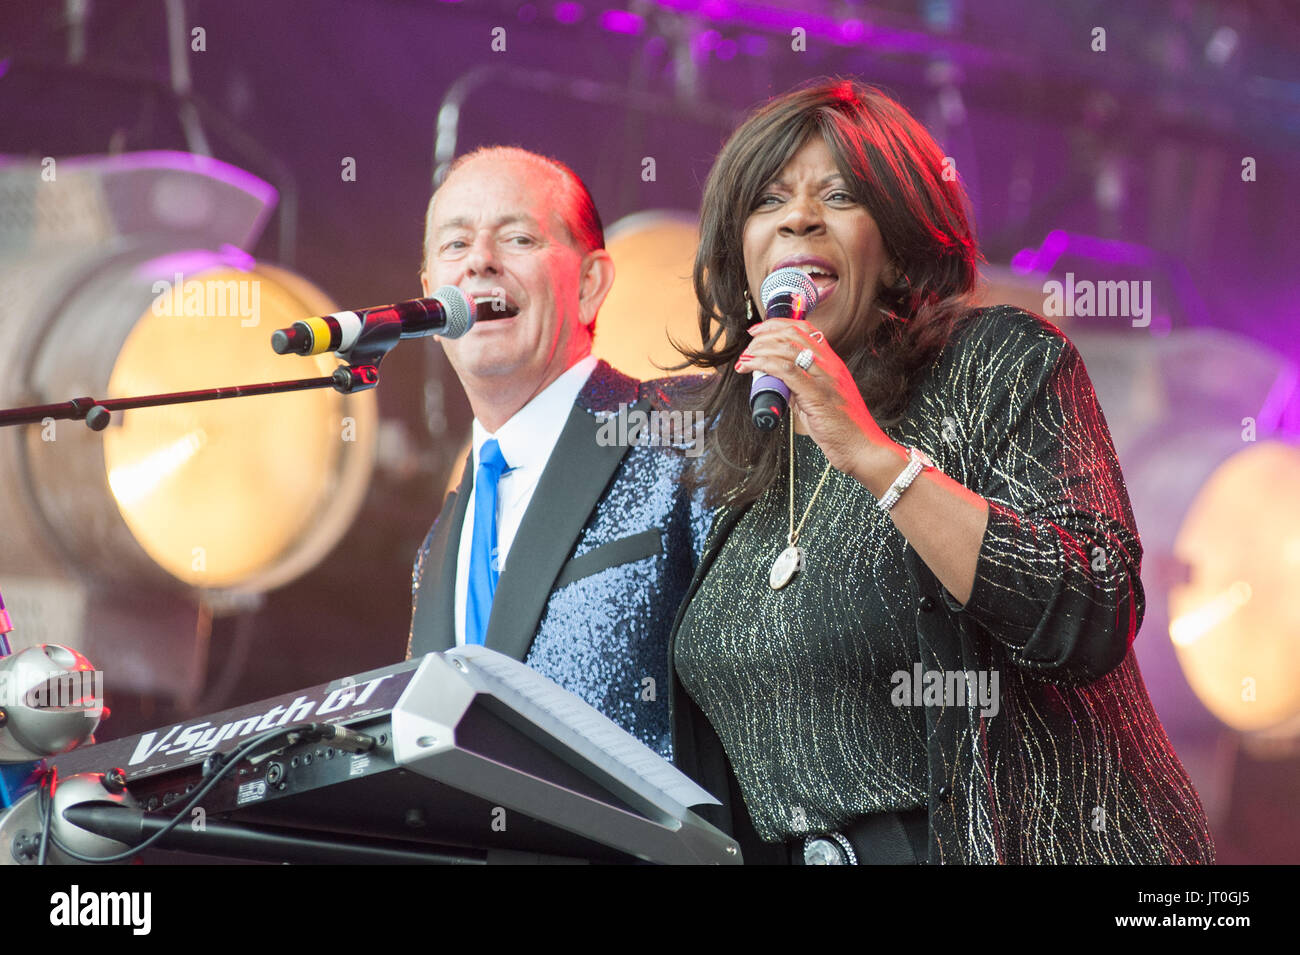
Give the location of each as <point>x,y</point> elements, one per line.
<point>599,565</point>
<point>1075,766</point>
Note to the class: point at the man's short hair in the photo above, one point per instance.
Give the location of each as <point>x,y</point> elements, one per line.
<point>580,218</point>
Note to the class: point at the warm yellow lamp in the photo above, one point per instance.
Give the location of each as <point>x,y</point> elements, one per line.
<point>1236,623</point>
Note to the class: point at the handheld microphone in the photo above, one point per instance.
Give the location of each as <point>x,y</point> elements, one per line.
<point>369,332</point>
<point>786,293</point>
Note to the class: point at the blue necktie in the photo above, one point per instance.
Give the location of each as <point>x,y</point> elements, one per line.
<point>483,569</point>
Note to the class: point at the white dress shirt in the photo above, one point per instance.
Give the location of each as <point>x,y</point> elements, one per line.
<point>526,441</point>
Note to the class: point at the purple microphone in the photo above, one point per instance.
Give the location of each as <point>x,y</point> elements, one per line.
<point>786,293</point>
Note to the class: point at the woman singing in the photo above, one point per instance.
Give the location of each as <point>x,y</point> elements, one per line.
<point>909,639</point>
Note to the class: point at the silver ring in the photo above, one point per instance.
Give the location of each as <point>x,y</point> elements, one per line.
<point>816,335</point>
<point>804,359</point>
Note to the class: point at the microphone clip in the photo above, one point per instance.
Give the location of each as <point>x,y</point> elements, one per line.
<point>353,378</point>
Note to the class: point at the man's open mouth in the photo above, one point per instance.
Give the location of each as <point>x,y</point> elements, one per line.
<point>490,306</point>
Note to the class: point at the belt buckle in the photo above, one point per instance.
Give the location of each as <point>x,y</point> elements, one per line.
<point>828,848</point>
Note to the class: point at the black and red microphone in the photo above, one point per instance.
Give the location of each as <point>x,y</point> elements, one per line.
<point>369,332</point>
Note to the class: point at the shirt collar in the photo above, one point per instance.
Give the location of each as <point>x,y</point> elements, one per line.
<point>528,438</point>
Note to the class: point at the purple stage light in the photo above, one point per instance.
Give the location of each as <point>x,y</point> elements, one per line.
<point>569,12</point>
<point>1058,241</point>
<point>1042,258</point>
<point>1282,398</point>
<point>703,44</point>
<point>622,21</point>
<point>852,31</point>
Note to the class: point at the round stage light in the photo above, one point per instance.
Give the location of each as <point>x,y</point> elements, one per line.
<point>1235,624</point>
<point>131,282</point>
<point>240,493</point>
<point>272,470</point>
<point>652,298</point>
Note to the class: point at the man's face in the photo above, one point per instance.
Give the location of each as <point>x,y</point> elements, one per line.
<point>498,233</point>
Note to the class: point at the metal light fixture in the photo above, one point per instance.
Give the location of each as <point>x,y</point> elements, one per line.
<point>124,276</point>
<point>1234,623</point>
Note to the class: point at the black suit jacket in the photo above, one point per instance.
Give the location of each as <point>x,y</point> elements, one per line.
<point>599,565</point>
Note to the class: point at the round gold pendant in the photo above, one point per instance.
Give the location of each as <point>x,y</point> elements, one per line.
<point>786,566</point>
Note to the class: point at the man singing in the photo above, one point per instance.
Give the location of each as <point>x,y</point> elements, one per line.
<point>567,552</point>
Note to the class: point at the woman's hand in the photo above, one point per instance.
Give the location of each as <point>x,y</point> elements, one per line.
<point>825,397</point>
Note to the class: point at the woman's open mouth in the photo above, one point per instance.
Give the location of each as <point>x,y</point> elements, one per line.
<point>819,270</point>
<point>824,280</point>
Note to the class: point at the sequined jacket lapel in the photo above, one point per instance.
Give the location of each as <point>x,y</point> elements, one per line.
<point>575,477</point>
<point>573,482</point>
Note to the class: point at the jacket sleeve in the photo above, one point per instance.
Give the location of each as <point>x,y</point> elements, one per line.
<point>1057,578</point>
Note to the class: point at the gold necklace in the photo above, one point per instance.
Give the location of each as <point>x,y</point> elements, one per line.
<point>790,561</point>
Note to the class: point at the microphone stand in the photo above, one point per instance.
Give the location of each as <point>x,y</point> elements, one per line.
<point>97,414</point>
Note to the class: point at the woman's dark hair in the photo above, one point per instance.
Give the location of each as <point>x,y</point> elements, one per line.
<point>895,169</point>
